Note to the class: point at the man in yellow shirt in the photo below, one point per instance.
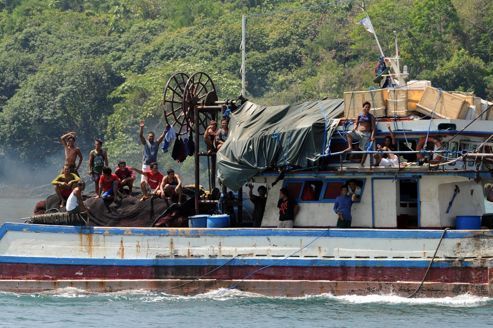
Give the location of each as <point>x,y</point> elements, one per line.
<point>64,184</point>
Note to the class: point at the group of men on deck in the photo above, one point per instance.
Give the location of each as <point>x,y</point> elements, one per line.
<point>108,185</point>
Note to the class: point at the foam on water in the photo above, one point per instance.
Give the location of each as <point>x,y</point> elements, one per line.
<point>225,294</point>
<point>464,300</point>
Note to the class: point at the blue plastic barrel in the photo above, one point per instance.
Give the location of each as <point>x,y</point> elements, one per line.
<point>467,222</point>
<point>198,221</point>
<point>218,221</point>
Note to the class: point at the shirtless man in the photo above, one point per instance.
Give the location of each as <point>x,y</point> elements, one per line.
<point>222,133</point>
<point>71,152</point>
<point>210,136</point>
<point>363,131</point>
<point>437,146</point>
<point>171,185</point>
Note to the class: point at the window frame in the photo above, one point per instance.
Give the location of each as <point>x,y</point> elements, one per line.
<point>326,182</point>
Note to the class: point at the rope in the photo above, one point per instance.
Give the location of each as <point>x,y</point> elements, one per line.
<point>324,140</point>
<point>480,114</point>
<point>431,117</point>
<point>429,265</point>
<point>209,173</point>
<point>233,286</point>
<point>207,273</point>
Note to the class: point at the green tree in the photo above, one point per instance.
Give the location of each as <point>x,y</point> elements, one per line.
<point>55,100</point>
<point>462,72</point>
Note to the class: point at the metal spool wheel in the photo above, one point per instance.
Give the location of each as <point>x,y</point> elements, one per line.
<point>199,90</point>
<point>173,96</point>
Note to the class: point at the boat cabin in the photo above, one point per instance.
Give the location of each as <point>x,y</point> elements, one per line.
<point>413,194</point>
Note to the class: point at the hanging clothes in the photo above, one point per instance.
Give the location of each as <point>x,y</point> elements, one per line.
<point>179,151</point>
<point>175,153</point>
<point>185,145</point>
<point>191,145</point>
<point>170,135</point>
<point>227,113</point>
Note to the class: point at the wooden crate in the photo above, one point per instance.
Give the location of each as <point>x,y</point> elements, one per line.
<point>413,98</point>
<point>489,114</point>
<point>353,103</point>
<point>397,103</point>
<point>442,104</point>
<point>472,101</point>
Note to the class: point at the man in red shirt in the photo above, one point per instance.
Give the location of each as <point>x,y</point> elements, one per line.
<point>154,178</point>
<point>126,175</point>
<point>108,184</point>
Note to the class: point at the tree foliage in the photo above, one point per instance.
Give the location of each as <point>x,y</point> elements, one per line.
<point>98,67</point>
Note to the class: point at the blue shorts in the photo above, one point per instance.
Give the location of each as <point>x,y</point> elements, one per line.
<point>107,194</point>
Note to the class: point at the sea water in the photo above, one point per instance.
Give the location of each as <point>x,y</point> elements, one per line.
<point>231,308</point>
<point>75,308</point>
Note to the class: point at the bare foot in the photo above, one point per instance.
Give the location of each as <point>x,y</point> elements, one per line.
<point>143,198</point>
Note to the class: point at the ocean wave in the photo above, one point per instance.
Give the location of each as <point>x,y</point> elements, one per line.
<point>225,294</point>
<point>464,300</point>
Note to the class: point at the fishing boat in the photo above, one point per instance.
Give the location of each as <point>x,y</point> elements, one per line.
<point>418,228</point>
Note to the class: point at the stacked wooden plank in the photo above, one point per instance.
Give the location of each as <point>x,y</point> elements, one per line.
<point>353,103</point>
<point>417,97</point>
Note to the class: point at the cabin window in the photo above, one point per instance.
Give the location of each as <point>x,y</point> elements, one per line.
<point>325,191</point>
<point>311,190</point>
<point>333,189</point>
<point>447,126</point>
<point>294,188</point>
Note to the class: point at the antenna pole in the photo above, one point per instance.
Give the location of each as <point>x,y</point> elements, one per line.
<point>243,55</point>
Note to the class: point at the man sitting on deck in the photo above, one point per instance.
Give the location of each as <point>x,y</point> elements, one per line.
<point>389,144</point>
<point>108,185</point>
<point>150,185</point>
<point>363,131</point>
<point>75,204</point>
<point>126,176</point>
<point>171,185</point>
<point>64,183</point>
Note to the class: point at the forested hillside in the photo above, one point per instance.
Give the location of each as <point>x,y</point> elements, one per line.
<point>98,67</point>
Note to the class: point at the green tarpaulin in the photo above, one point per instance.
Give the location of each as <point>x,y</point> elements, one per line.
<point>264,137</point>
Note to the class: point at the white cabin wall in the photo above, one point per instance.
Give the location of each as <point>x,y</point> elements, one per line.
<point>361,211</point>
<point>271,213</point>
<point>385,202</point>
<point>467,201</point>
<point>316,214</point>
<point>436,193</point>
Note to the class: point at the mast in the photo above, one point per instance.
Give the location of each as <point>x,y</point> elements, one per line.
<point>243,55</point>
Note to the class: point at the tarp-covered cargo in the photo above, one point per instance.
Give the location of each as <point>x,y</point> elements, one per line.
<point>264,137</point>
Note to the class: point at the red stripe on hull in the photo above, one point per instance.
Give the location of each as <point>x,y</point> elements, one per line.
<point>376,274</point>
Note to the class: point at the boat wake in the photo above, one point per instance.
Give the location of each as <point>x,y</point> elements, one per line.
<point>465,300</point>
<point>226,294</point>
